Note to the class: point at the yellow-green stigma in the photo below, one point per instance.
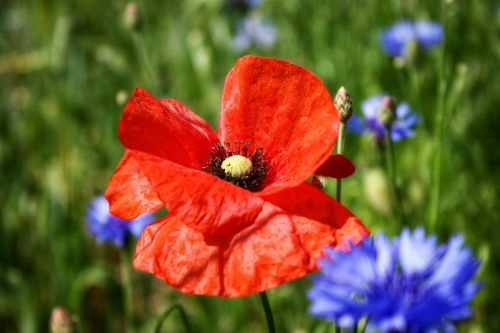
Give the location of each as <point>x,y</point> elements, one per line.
<point>236,165</point>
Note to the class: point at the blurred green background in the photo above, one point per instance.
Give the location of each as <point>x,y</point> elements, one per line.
<point>66,68</point>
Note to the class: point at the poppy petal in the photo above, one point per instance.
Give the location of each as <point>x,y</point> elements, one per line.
<point>250,263</point>
<point>319,219</point>
<point>264,255</point>
<point>284,109</point>
<point>336,166</point>
<point>179,255</point>
<point>205,202</point>
<point>129,192</point>
<point>315,236</point>
<point>167,129</point>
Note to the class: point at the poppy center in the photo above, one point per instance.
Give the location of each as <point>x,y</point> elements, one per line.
<point>238,164</point>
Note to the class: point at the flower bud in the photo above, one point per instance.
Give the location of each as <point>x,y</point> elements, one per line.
<point>132,17</point>
<point>344,104</point>
<point>388,111</point>
<point>60,321</point>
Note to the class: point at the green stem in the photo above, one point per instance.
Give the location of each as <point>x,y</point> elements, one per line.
<point>436,170</point>
<point>340,150</point>
<point>439,135</point>
<point>268,312</point>
<point>341,138</point>
<point>183,315</point>
<point>127,288</point>
<point>391,166</point>
<point>414,74</point>
<point>339,190</point>
<point>143,55</point>
<point>363,330</point>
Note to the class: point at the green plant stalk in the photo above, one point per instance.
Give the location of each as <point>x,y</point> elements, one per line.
<point>268,312</point>
<point>143,55</point>
<point>397,198</point>
<point>436,166</point>
<point>440,117</point>
<point>340,150</point>
<point>182,313</point>
<point>127,287</point>
<point>365,325</point>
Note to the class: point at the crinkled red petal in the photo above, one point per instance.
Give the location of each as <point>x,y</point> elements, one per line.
<point>129,191</point>
<point>167,129</point>
<point>278,247</point>
<point>208,204</point>
<point>336,166</point>
<point>257,258</point>
<point>265,255</point>
<point>319,219</point>
<point>284,109</point>
<point>178,254</point>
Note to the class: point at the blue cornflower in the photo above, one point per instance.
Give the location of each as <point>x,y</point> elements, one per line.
<point>243,4</point>
<point>402,127</point>
<point>410,284</point>
<point>254,30</point>
<point>108,228</point>
<point>398,38</point>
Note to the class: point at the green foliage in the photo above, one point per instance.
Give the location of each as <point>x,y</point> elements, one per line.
<point>64,65</point>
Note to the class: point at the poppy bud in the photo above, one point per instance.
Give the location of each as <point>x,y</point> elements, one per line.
<point>344,104</point>
<point>388,111</point>
<point>132,18</point>
<point>60,321</point>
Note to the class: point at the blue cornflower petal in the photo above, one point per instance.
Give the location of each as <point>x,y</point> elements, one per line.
<point>135,227</point>
<point>356,124</point>
<point>385,260</point>
<point>108,228</point>
<point>256,31</point>
<point>371,106</point>
<point>403,126</point>
<point>403,110</point>
<point>428,34</point>
<point>253,3</point>
<point>412,261</point>
<point>408,284</point>
<point>397,38</point>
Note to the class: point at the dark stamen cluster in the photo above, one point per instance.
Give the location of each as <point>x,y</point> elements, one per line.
<point>251,181</point>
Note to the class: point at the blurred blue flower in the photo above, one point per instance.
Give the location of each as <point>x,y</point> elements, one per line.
<point>403,126</point>
<point>108,228</point>
<point>243,4</point>
<point>411,284</point>
<point>397,39</point>
<point>254,30</point>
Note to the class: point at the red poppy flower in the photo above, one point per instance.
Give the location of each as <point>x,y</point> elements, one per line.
<point>242,218</point>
